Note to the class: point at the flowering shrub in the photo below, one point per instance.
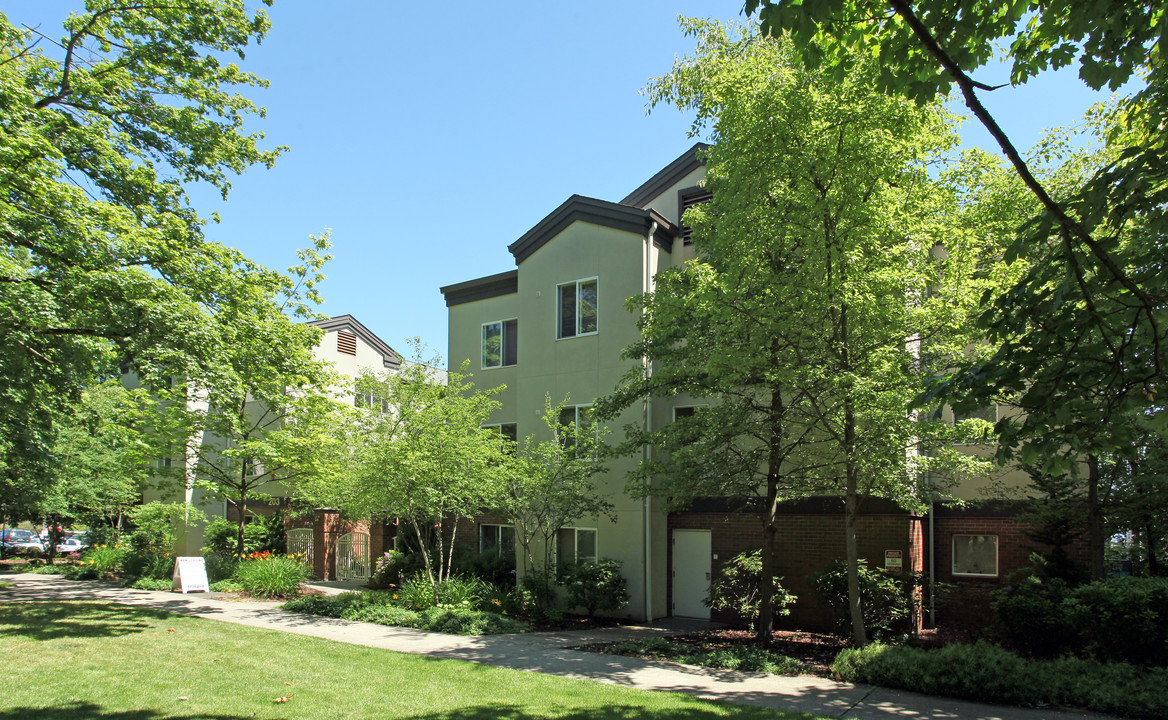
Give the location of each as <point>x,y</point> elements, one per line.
<point>387,570</point>
<point>266,575</point>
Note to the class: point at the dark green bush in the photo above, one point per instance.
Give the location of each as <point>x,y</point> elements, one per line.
<point>147,564</point>
<point>220,567</point>
<point>747,658</point>
<point>738,587</point>
<point>1030,616</point>
<point>1122,619</point>
<point>596,587</point>
<point>382,608</point>
<point>265,533</point>
<point>886,599</point>
<point>461,621</point>
<point>989,673</point>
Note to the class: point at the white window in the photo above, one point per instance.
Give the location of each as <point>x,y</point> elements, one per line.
<point>574,420</point>
<point>370,400</point>
<point>575,545</point>
<point>577,308</point>
<point>975,555</point>
<point>496,538</point>
<point>500,343</point>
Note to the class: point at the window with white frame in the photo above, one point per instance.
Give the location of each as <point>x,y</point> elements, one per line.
<point>575,545</point>
<point>989,413</point>
<point>574,420</point>
<point>576,308</point>
<point>500,343</point>
<point>975,555</point>
<point>510,431</point>
<point>499,539</point>
<point>369,400</point>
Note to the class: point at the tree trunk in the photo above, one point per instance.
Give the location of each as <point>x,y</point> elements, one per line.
<point>851,545</point>
<point>1094,518</point>
<point>1150,539</point>
<point>764,630</point>
<point>239,536</point>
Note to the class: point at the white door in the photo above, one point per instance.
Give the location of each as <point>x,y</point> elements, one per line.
<point>691,573</point>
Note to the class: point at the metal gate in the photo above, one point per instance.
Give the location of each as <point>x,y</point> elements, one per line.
<point>353,556</point>
<point>300,543</point>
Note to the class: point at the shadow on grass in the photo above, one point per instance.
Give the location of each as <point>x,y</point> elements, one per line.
<point>51,621</point>
<point>612,712</point>
<point>90,711</point>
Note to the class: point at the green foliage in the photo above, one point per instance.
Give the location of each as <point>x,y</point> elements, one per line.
<point>220,567</point>
<point>416,592</point>
<point>538,593</point>
<point>597,587</point>
<point>264,534</point>
<point>990,674</point>
<point>148,565</point>
<point>1029,611</point>
<point>386,608</point>
<point>550,482</point>
<point>429,462</point>
<point>225,585</point>
<point>104,558</point>
<point>276,576</point>
<point>157,526</point>
<point>151,583</point>
<point>101,255</point>
<point>886,599</point>
<point>746,658</point>
<point>738,588</point>
<point>1122,619</point>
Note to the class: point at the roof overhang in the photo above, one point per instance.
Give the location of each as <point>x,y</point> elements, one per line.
<point>579,208</point>
<point>669,175</point>
<point>389,356</point>
<point>504,283</point>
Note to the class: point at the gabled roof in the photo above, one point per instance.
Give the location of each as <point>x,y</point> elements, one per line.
<point>389,356</point>
<point>596,212</point>
<point>504,283</point>
<point>670,174</point>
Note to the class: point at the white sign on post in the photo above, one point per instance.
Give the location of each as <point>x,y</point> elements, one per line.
<point>190,575</point>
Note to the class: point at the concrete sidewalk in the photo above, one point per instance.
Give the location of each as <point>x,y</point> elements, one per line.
<point>548,653</point>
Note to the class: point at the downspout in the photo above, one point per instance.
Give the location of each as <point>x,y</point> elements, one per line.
<point>646,451</point>
<point>932,555</point>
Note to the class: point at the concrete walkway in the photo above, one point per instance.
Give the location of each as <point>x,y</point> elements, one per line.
<point>548,653</point>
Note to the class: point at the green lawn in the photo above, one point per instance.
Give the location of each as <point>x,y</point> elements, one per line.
<point>72,660</point>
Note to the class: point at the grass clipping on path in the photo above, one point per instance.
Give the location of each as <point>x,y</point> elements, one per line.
<point>102,660</point>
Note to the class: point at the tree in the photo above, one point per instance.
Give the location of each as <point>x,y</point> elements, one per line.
<point>102,259</point>
<point>815,302</point>
<point>421,455</point>
<point>104,455</point>
<point>1080,335</point>
<point>549,483</point>
<point>270,378</point>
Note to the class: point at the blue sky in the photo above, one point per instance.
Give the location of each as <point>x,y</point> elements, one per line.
<point>429,140</point>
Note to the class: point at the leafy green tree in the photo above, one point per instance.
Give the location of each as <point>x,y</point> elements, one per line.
<point>1080,335</point>
<point>102,258</point>
<point>420,454</point>
<point>550,482</point>
<point>816,301</point>
<point>270,379</point>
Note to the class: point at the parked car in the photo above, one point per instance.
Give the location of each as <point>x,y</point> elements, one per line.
<point>69,545</point>
<point>21,542</point>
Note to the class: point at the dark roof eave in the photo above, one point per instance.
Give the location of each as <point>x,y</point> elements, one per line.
<point>389,357</point>
<point>667,176</point>
<point>595,212</point>
<point>504,283</point>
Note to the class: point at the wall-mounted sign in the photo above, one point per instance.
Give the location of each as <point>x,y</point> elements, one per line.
<point>894,560</point>
<point>190,575</point>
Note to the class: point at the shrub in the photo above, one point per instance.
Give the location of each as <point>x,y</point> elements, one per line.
<point>270,576</point>
<point>417,594</point>
<point>463,621</point>
<point>989,673</point>
<point>154,526</point>
<point>886,599</point>
<point>538,593</point>
<point>149,583</point>
<point>387,571</point>
<point>224,586</point>
<point>596,587</point>
<point>104,558</point>
<point>493,566</point>
<point>1121,619</point>
<point>1030,616</point>
<point>220,567</point>
<point>738,588</point>
<point>265,533</point>
<point>746,658</point>
<point>143,563</point>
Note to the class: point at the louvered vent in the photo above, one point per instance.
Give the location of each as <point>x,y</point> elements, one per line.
<point>346,343</point>
<point>688,201</point>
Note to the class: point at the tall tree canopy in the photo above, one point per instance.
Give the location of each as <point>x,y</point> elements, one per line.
<point>102,257</point>
<point>1080,336</point>
<point>816,300</point>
